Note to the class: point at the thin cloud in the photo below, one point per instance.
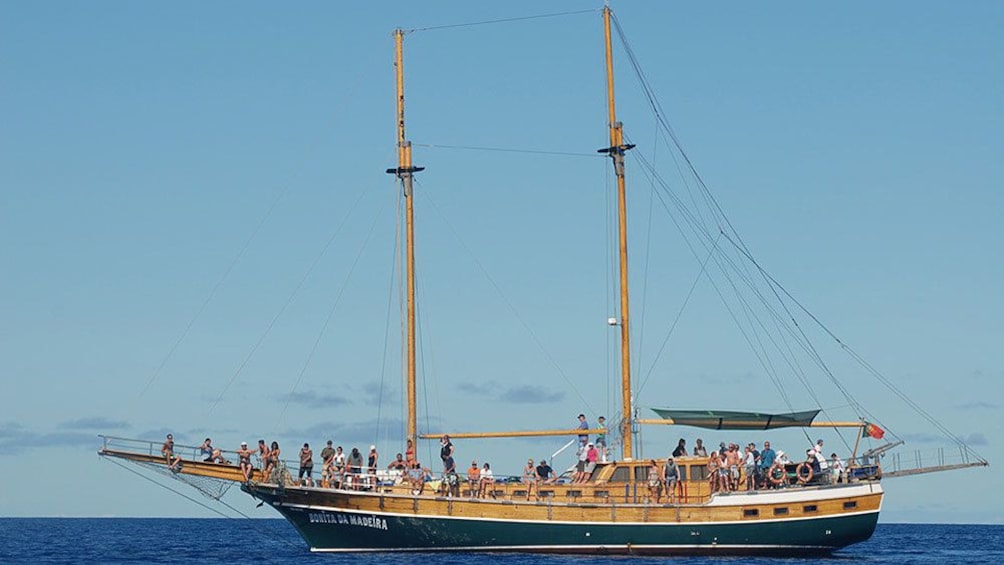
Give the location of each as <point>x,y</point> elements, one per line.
<point>530,395</point>
<point>94,423</point>
<point>313,399</point>
<point>526,394</point>
<point>978,405</point>
<point>16,439</point>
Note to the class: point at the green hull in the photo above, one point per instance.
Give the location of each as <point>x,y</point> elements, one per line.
<point>327,529</point>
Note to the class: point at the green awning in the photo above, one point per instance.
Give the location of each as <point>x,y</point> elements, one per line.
<point>727,420</point>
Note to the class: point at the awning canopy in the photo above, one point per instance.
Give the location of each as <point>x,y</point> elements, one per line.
<point>728,420</point>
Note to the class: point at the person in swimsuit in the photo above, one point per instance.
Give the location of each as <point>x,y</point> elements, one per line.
<point>167,450</point>
<point>272,461</point>
<point>713,475</point>
<point>529,477</point>
<point>244,456</point>
<point>409,453</point>
<point>654,482</point>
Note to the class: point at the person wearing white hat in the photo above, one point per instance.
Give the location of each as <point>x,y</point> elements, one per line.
<point>244,455</point>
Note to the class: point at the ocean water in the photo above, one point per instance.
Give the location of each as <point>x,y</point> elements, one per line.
<point>156,540</point>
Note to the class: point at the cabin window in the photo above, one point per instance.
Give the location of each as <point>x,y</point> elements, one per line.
<point>809,508</point>
<point>751,512</point>
<point>621,475</point>
<point>601,493</point>
<point>683,472</point>
<point>698,473</point>
<point>641,474</point>
<point>780,511</point>
<point>547,494</point>
<point>851,504</point>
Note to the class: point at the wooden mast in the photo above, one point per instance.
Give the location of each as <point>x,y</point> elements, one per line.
<point>405,171</point>
<point>616,152</point>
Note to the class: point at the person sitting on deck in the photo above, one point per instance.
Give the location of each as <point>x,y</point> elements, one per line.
<point>474,478</point>
<point>206,450</point>
<point>398,464</point>
<point>671,477</point>
<point>417,477</point>
<point>529,477</point>
<point>654,482</point>
<point>545,473</point>
<point>244,457</point>
<point>487,481</point>
<point>167,450</point>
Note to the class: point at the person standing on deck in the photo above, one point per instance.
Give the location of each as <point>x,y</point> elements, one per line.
<point>671,477</point>
<point>601,438</point>
<point>244,457</point>
<point>327,464</point>
<point>699,450</point>
<point>306,466</point>
<point>445,449</point>
<point>583,425</point>
<point>681,448</point>
<point>767,457</point>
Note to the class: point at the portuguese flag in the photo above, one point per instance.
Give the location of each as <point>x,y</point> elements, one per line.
<point>872,430</point>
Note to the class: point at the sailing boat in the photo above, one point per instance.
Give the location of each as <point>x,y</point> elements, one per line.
<point>610,510</point>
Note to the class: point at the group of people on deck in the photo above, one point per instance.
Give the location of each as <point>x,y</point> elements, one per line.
<point>732,468</point>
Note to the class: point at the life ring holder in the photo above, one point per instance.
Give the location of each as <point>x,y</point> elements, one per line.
<point>776,474</point>
<point>804,473</point>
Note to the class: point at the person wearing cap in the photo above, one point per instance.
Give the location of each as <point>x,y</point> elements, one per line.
<point>327,464</point>
<point>583,425</point>
<point>306,466</point>
<point>244,457</point>
<point>474,478</point>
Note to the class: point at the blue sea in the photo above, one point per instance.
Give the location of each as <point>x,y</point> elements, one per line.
<point>156,540</point>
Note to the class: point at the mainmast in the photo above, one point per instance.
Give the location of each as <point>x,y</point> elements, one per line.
<point>616,152</point>
<point>405,172</point>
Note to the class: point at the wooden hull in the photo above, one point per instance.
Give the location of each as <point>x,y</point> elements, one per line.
<point>815,521</point>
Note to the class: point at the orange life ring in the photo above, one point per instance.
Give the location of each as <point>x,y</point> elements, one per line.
<point>804,478</point>
<point>773,475</point>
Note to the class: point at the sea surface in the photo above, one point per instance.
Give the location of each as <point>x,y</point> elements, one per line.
<point>157,540</point>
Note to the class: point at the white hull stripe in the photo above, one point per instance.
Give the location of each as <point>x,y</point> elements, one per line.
<point>710,547</point>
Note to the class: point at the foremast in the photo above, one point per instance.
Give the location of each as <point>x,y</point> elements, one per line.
<point>616,151</point>
<point>405,171</point>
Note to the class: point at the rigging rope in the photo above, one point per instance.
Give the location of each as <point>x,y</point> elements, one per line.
<point>512,307</point>
<point>289,300</point>
<point>212,293</point>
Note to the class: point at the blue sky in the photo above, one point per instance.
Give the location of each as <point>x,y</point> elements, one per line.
<point>197,234</point>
